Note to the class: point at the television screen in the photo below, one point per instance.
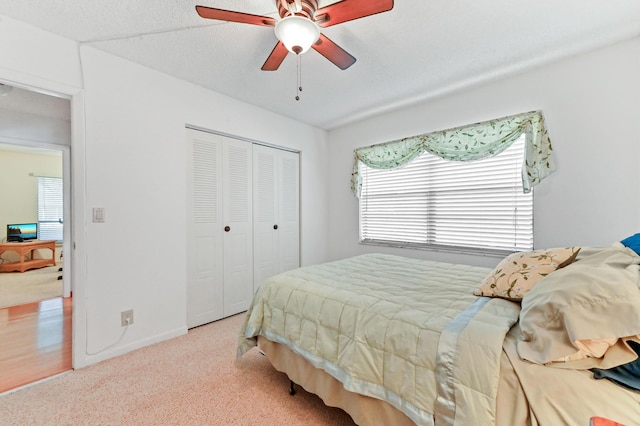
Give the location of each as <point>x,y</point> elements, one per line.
<point>22,231</point>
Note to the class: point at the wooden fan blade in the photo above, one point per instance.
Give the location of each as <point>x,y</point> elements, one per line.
<point>333,52</point>
<point>348,10</point>
<point>275,58</point>
<point>231,16</point>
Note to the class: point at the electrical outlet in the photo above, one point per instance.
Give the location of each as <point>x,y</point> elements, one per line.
<point>126,317</point>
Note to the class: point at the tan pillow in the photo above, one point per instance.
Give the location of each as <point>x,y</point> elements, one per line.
<point>596,298</point>
<point>517,273</point>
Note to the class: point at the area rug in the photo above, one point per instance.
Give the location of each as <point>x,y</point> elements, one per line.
<point>19,288</point>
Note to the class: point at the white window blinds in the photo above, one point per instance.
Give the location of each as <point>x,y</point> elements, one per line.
<point>435,203</point>
<point>50,208</point>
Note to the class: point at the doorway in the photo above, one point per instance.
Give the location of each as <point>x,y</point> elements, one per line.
<point>35,300</point>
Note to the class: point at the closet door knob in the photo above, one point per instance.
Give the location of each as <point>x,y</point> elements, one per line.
<point>275,226</point>
<point>227,229</point>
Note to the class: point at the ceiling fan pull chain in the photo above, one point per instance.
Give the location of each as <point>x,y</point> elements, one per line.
<point>299,76</point>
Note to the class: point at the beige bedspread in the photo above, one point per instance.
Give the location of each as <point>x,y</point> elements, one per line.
<point>406,331</point>
<point>595,297</point>
<point>411,333</point>
<point>537,395</point>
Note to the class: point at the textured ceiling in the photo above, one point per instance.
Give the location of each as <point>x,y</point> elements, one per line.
<point>419,49</point>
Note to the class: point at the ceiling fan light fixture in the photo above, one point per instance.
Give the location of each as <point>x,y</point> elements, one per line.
<point>297,33</point>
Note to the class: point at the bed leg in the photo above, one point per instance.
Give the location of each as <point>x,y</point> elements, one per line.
<point>292,390</point>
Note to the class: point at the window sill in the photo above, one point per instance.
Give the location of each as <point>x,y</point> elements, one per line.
<point>441,248</point>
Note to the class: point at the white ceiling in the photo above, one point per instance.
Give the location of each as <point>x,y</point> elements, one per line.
<point>419,49</point>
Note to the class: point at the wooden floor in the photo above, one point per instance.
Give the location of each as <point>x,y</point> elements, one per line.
<point>35,342</point>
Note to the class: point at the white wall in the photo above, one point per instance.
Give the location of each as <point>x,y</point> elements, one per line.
<point>590,103</point>
<point>16,126</point>
<point>34,58</point>
<point>128,156</point>
<point>136,169</point>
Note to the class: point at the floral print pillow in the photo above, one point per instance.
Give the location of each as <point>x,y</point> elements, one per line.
<point>517,273</point>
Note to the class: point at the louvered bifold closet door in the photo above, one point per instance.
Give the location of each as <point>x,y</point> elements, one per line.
<point>276,196</point>
<point>204,229</point>
<point>289,210</point>
<point>265,217</point>
<point>238,225</point>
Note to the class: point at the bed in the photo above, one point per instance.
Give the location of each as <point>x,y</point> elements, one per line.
<point>395,341</point>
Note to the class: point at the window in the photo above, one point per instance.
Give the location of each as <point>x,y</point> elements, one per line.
<point>50,208</point>
<point>475,206</point>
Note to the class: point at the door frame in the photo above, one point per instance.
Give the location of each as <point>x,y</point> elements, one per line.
<point>74,190</point>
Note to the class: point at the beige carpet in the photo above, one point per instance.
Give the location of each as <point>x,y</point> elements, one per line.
<point>19,288</point>
<point>190,380</point>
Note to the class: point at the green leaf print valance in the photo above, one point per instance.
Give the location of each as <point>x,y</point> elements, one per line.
<point>467,143</point>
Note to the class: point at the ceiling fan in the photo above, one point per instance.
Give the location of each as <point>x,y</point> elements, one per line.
<point>299,26</point>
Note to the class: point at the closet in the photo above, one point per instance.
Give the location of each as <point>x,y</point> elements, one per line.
<point>276,222</point>
<point>236,190</point>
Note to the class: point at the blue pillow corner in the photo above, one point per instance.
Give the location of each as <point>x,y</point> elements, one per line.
<point>633,242</point>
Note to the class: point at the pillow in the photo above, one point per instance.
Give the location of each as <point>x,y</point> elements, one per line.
<point>633,242</point>
<point>595,300</point>
<point>594,348</point>
<point>517,273</point>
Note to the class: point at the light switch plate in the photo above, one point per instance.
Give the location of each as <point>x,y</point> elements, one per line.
<point>98,215</point>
